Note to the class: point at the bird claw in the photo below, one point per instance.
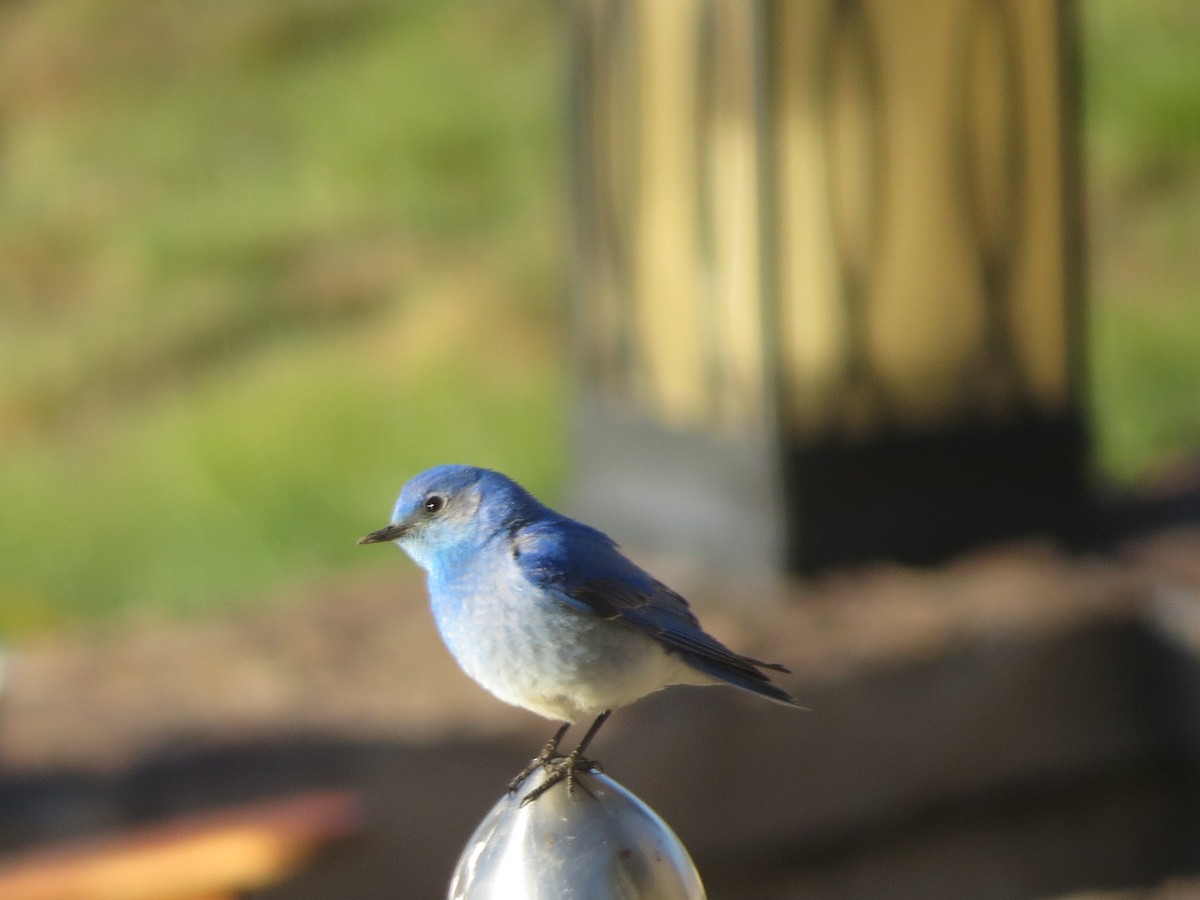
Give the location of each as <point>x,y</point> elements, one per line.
<point>558,768</point>
<point>534,764</point>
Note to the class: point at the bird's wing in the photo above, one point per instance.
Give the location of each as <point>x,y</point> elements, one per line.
<point>583,568</point>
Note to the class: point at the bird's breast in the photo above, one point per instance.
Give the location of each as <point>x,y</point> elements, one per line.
<point>531,649</point>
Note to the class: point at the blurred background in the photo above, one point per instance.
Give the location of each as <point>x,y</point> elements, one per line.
<point>262,261</point>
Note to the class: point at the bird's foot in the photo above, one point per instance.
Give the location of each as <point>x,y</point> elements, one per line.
<point>534,764</point>
<point>560,768</point>
<point>545,756</point>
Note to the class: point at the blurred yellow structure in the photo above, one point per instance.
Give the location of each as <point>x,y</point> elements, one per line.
<point>834,225</point>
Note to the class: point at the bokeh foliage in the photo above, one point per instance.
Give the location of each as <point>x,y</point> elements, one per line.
<point>259,261</point>
<point>1142,137</point>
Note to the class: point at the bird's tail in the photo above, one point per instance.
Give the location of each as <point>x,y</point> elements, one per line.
<point>745,673</point>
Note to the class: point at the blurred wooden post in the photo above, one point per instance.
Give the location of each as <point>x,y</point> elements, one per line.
<point>827,289</point>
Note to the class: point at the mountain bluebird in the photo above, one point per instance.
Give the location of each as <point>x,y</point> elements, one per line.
<point>546,613</point>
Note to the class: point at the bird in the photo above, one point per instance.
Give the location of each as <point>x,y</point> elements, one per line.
<point>548,614</point>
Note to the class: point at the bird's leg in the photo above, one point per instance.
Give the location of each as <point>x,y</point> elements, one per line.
<point>544,756</point>
<point>564,767</point>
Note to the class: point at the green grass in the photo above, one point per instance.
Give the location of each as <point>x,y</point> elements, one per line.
<point>1143,106</point>
<point>1142,136</point>
<point>261,474</point>
<point>196,176</point>
<point>1147,384</point>
<point>260,262</point>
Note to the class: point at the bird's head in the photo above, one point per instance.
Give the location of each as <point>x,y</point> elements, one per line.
<point>449,512</point>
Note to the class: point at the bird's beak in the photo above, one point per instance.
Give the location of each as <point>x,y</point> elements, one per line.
<point>387,533</point>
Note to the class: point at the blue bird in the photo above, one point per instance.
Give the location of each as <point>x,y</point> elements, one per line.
<point>547,614</point>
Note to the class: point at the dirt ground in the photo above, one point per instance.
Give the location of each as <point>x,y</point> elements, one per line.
<point>348,683</point>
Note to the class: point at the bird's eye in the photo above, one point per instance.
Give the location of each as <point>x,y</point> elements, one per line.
<point>434,503</point>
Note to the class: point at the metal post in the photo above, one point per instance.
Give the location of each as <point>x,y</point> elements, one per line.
<point>602,842</point>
